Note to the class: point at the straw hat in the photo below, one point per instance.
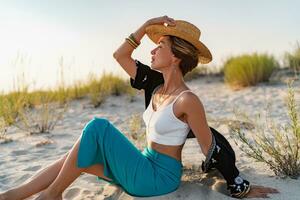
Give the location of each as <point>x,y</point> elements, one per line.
<point>183,30</point>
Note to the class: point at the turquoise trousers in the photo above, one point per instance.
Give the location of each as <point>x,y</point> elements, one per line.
<point>146,173</point>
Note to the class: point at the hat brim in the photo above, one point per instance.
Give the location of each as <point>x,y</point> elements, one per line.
<point>155,32</point>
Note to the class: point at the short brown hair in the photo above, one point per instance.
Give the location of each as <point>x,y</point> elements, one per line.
<point>186,52</point>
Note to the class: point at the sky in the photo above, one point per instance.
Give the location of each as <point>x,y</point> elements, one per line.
<point>40,37</point>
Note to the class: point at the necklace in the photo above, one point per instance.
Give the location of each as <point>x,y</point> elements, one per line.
<point>159,106</point>
<point>161,99</point>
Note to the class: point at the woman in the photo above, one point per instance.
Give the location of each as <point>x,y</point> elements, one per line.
<point>171,113</point>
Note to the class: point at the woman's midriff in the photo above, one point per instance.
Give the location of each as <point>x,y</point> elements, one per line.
<point>173,151</point>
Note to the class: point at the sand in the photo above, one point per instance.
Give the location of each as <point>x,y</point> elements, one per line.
<point>22,158</point>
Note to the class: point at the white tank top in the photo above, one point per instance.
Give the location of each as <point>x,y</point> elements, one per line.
<point>163,127</point>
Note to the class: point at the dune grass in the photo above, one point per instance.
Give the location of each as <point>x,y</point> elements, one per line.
<point>248,70</point>
<point>43,117</point>
<point>272,143</point>
<point>108,84</point>
<point>39,111</point>
<point>10,105</point>
<point>30,111</point>
<point>293,59</point>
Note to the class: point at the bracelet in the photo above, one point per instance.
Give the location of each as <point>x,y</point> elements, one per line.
<point>134,45</point>
<point>132,41</point>
<point>131,36</point>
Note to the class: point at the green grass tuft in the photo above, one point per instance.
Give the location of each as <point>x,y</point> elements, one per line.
<point>248,70</point>
<point>292,60</point>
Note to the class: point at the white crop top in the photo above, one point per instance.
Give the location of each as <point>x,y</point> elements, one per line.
<point>163,127</point>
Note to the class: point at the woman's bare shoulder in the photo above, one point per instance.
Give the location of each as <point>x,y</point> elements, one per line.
<point>189,101</point>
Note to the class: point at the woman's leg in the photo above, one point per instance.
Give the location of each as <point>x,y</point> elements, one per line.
<point>45,177</point>
<point>37,183</point>
<point>94,131</point>
<point>68,173</point>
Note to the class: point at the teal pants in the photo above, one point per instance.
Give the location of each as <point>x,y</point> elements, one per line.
<point>147,173</point>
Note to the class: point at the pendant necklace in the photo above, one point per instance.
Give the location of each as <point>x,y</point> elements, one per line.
<point>160,103</point>
<point>161,99</point>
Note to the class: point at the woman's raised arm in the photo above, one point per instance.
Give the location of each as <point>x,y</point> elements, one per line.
<point>124,52</point>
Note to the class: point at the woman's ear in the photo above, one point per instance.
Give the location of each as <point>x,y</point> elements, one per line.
<point>175,59</point>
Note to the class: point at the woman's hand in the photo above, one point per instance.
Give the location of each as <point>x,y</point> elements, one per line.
<point>161,20</point>
<point>258,191</point>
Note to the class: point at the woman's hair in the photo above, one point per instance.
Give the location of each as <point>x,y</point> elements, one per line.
<point>186,52</point>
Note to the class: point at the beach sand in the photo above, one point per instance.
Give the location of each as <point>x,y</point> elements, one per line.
<point>22,158</point>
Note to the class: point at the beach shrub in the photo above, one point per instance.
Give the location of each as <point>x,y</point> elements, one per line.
<point>113,84</point>
<point>248,70</point>
<point>61,95</point>
<point>78,90</point>
<point>293,59</point>
<point>12,102</point>
<point>97,88</point>
<point>276,145</point>
<point>97,96</point>
<point>108,84</point>
<point>10,105</point>
<point>43,117</point>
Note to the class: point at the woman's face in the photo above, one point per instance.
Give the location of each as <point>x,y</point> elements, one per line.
<point>162,54</point>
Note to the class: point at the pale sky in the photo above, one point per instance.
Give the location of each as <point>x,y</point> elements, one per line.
<point>86,33</point>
